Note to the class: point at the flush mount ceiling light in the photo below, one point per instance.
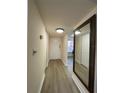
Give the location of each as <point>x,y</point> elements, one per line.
<point>77,32</point>
<point>59,30</point>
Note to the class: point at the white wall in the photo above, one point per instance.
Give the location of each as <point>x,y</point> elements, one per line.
<point>64,49</point>
<point>85,42</point>
<point>95,83</point>
<point>55,47</point>
<point>37,63</point>
<point>82,46</point>
<point>78,49</point>
<point>85,49</point>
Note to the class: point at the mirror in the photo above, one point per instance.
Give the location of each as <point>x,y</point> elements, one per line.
<point>82,42</point>
<point>84,52</point>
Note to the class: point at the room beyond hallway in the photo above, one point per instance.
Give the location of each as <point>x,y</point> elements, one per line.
<point>58,79</point>
<point>70,52</point>
<point>70,60</point>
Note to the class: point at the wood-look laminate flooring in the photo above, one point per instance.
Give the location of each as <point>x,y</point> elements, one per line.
<point>58,79</point>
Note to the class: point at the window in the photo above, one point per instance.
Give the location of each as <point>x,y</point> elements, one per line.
<point>70,46</point>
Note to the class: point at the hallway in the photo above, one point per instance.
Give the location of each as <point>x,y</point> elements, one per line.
<point>58,79</point>
<point>62,46</point>
<point>51,24</point>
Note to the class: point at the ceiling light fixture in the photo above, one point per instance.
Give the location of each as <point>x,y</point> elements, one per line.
<point>59,30</point>
<point>77,32</point>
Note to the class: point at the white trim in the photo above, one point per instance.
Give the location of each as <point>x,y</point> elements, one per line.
<point>91,13</point>
<point>77,60</point>
<point>48,63</point>
<point>80,86</point>
<point>42,82</point>
<point>65,63</point>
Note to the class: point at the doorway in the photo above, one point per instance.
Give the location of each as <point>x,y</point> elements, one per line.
<point>55,48</point>
<point>70,52</point>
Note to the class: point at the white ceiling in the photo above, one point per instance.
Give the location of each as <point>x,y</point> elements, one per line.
<point>63,13</point>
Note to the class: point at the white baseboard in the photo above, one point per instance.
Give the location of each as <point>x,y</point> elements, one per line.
<point>48,62</point>
<point>42,82</point>
<point>64,63</point>
<point>80,86</point>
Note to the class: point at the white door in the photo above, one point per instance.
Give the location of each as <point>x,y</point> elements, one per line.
<point>55,48</point>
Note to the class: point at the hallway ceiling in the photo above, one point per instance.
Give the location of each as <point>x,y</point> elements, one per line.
<point>63,13</point>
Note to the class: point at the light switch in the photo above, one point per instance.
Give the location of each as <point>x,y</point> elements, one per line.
<point>41,36</point>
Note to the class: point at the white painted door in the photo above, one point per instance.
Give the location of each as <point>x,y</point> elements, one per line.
<point>55,48</point>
